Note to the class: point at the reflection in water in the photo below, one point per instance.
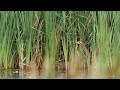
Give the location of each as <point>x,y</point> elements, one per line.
<point>23,74</point>
<point>12,74</point>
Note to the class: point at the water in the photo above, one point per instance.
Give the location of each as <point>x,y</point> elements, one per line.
<point>23,74</point>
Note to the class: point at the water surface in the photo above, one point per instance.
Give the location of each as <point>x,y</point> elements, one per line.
<point>23,74</point>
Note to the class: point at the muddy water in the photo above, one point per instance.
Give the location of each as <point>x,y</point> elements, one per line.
<point>23,74</point>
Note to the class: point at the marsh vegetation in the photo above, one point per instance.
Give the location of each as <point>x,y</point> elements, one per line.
<point>76,43</point>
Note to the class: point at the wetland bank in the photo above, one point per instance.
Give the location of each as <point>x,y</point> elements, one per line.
<point>59,44</point>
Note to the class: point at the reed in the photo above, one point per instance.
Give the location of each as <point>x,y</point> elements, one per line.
<point>77,41</point>
<point>51,43</point>
<point>104,44</point>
